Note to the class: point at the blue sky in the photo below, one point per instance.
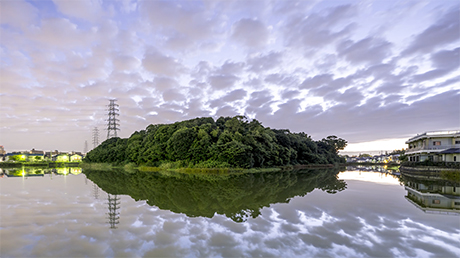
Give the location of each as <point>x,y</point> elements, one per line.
<point>364,71</point>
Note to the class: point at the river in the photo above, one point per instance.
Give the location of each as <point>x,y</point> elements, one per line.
<point>308,213</point>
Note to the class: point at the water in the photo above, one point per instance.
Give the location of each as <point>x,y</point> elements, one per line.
<point>285,214</point>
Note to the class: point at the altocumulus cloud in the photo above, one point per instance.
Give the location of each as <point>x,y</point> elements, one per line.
<point>319,67</point>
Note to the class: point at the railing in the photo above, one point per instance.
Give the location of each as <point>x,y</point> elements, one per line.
<point>434,147</point>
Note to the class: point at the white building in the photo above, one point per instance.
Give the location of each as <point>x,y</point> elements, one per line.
<point>434,146</point>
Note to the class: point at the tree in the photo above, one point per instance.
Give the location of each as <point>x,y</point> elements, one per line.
<point>229,140</point>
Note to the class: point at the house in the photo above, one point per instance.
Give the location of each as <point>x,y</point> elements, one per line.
<point>35,157</point>
<point>434,146</point>
<point>33,151</point>
<point>16,156</point>
<point>75,157</point>
<point>62,157</point>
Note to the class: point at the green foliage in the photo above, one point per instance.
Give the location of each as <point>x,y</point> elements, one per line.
<point>229,141</point>
<point>401,152</point>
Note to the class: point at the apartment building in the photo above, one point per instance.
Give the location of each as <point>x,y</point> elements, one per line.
<point>434,146</point>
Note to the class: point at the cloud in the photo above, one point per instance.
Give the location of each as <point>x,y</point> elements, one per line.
<point>221,82</point>
<point>18,14</point>
<point>316,81</point>
<point>445,62</point>
<point>173,95</point>
<point>61,33</point>
<point>366,51</point>
<point>250,33</point>
<point>316,29</point>
<point>182,25</point>
<point>159,64</point>
<point>297,65</point>
<point>126,63</point>
<point>232,96</point>
<point>164,83</point>
<point>444,31</point>
<point>261,62</point>
<point>230,67</point>
<point>285,80</point>
<point>83,9</point>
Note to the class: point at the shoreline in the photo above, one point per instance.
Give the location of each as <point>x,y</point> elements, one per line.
<point>107,166</point>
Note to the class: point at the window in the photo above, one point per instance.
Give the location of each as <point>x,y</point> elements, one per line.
<point>437,143</point>
<point>457,203</point>
<point>436,202</point>
<point>457,142</point>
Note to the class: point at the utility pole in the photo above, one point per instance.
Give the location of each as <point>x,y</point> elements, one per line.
<point>112,121</point>
<point>95,137</point>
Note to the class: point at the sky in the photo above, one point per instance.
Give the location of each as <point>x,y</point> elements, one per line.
<point>374,73</point>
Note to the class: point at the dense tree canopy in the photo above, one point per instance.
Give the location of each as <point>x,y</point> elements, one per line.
<point>229,141</point>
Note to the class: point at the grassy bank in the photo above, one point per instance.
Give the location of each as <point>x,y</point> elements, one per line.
<point>177,168</point>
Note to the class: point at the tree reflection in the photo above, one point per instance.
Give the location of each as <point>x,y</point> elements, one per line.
<point>237,196</point>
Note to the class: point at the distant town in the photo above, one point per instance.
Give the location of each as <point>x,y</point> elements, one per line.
<point>434,146</point>
<point>40,156</point>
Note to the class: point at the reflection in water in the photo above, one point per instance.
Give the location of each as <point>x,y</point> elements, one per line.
<point>39,171</point>
<point>394,170</point>
<point>114,206</point>
<point>432,194</point>
<point>95,191</point>
<point>61,218</point>
<point>236,196</point>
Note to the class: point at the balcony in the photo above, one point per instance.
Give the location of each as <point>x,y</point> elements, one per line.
<point>436,148</point>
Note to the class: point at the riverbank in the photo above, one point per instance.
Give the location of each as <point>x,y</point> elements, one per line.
<point>217,170</point>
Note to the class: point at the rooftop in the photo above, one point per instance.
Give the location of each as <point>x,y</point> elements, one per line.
<point>434,134</point>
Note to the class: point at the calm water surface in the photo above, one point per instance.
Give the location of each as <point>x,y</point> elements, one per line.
<point>353,213</point>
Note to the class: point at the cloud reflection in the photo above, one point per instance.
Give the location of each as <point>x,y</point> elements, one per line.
<point>366,220</point>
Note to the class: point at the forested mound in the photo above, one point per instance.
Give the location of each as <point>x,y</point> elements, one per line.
<point>227,142</point>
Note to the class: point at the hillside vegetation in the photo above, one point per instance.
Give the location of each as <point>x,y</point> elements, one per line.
<point>227,142</point>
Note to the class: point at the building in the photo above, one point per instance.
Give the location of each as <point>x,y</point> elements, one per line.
<point>435,146</point>
<point>62,157</point>
<point>75,157</point>
<point>33,151</point>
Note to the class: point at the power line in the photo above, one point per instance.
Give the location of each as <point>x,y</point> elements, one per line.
<point>112,121</point>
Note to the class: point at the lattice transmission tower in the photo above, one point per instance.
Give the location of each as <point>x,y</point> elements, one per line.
<point>114,206</point>
<point>85,149</point>
<point>112,121</point>
<point>95,137</point>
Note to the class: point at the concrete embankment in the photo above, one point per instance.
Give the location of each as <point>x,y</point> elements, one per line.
<point>431,173</point>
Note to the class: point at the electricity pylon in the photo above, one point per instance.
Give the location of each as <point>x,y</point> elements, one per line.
<point>112,121</point>
<point>95,137</point>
